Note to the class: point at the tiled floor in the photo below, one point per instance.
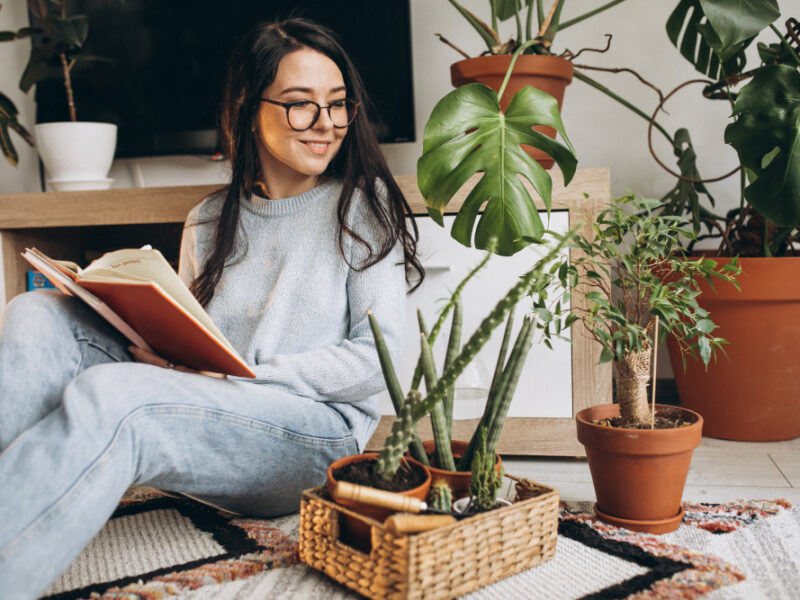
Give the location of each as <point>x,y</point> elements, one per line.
<point>721,471</point>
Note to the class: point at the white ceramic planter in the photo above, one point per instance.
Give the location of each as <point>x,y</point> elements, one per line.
<point>76,155</point>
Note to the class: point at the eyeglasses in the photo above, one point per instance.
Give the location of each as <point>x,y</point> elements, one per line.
<point>303,114</point>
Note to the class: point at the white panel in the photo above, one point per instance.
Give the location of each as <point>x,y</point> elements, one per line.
<point>545,387</point>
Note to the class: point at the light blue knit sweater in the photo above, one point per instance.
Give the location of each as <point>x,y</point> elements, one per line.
<point>293,308</point>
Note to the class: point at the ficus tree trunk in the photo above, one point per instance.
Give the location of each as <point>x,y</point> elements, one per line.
<point>633,372</point>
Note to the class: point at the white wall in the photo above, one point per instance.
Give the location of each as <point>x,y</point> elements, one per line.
<point>604,133</point>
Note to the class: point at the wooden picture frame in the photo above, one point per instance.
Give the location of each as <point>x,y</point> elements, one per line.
<point>65,224</point>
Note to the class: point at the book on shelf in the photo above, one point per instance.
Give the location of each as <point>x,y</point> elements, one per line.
<point>138,292</point>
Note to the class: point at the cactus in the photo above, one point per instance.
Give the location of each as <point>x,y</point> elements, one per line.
<point>415,407</point>
<point>485,480</point>
<point>444,455</point>
<point>393,385</point>
<point>397,442</point>
<point>441,496</point>
<point>504,383</point>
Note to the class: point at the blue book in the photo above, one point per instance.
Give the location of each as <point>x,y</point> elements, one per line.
<point>37,281</point>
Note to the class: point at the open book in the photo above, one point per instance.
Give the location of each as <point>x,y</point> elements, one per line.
<point>141,295</point>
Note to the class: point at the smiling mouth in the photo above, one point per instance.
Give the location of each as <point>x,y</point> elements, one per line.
<point>318,147</point>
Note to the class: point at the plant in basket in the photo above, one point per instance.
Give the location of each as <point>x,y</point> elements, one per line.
<point>472,468</point>
<point>639,456</point>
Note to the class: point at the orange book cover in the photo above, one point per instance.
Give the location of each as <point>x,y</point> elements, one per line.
<point>180,332</point>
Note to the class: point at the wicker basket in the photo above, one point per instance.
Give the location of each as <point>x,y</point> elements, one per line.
<point>443,563</point>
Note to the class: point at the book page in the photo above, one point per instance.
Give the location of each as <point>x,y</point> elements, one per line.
<point>150,265</point>
<point>52,270</point>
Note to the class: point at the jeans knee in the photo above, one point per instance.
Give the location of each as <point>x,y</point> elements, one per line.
<point>35,308</point>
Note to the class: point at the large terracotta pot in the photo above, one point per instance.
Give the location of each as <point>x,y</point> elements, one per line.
<point>639,474</point>
<point>753,394</point>
<point>357,532</point>
<point>547,73</point>
<point>457,480</point>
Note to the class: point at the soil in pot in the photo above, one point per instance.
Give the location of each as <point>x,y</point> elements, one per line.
<point>363,473</point>
<point>354,531</point>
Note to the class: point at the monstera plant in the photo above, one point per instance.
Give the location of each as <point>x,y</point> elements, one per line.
<point>468,134</point>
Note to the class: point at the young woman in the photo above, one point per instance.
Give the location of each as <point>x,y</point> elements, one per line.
<point>309,235</point>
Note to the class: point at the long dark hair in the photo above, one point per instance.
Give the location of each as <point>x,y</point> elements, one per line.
<point>359,162</point>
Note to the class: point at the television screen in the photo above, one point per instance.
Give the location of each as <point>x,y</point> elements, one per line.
<point>156,67</point>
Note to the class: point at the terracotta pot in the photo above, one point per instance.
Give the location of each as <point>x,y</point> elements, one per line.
<point>547,73</point>
<point>639,474</point>
<point>753,394</point>
<point>357,532</point>
<point>457,480</point>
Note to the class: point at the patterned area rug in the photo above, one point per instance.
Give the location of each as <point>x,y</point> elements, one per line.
<point>159,547</point>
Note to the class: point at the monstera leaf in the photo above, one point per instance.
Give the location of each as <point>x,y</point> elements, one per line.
<point>766,134</point>
<point>713,34</point>
<point>466,134</point>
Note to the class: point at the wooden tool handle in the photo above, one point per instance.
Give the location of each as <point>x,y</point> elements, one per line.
<point>345,490</point>
<point>407,523</point>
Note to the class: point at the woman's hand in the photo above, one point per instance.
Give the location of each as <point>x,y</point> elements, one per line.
<point>150,358</point>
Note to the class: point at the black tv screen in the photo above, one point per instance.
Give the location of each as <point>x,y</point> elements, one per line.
<point>161,65</point>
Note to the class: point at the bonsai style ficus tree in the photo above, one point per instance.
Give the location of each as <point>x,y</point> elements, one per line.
<point>639,252</point>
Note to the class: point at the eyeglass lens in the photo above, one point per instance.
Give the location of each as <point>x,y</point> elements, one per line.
<point>303,115</point>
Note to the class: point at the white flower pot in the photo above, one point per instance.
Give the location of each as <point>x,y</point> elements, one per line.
<point>76,155</point>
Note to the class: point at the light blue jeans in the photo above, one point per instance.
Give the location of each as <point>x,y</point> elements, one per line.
<point>80,422</point>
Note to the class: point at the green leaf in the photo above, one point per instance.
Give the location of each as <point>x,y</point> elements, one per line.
<point>767,117</point>
<point>706,325</point>
<point>7,36</point>
<point>36,66</point>
<point>466,134</point>
<point>705,349</point>
<point>544,314</point>
<point>505,9</point>
<point>606,355</point>
<point>70,30</point>
<point>735,21</point>
<point>701,44</point>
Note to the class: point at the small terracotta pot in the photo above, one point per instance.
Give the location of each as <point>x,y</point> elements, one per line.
<point>752,391</point>
<point>355,531</point>
<point>547,73</point>
<point>639,474</point>
<point>457,480</point>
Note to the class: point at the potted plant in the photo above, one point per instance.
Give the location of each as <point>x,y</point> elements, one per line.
<point>753,396</point>
<point>474,472</point>
<point>8,111</point>
<point>539,66</point>
<point>76,155</point>
<point>468,133</point>
<point>639,457</point>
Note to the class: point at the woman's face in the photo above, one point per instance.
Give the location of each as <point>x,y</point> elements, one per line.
<point>297,157</point>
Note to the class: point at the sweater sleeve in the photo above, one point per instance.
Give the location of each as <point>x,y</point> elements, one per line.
<point>350,370</point>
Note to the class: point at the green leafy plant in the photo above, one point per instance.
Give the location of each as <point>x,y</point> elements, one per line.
<point>59,41</point>
<point>522,11</point>
<point>548,284</point>
<point>9,112</point>
<point>765,129</point>
<point>639,251</point>
<point>467,133</point>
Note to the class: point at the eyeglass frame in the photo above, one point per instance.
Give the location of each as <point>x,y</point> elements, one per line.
<point>288,105</point>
